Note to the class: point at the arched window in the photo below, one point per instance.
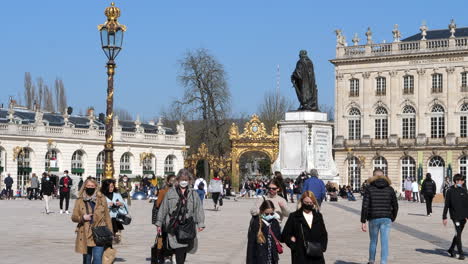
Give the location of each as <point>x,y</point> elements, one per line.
<point>437,122</point>
<point>100,166</point>
<point>409,122</point>
<point>353,87</point>
<point>408,169</point>
<point>463,166</point>
<point>463,120</point>
<point>381,163</point>
<point>437,86</point>
<point>354,173</point>
<point>77,167</point>
<point>408,84</point>
<point>381,123</point>
<point>125,163</point>
<point>24,170</point>
<point>169,165</point>
<point>381,86</point>
<point>51,162</point>
<point>354,124</point>
<point>148,167</point>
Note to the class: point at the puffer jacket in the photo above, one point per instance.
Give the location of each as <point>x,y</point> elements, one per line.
<point>379,200</point>
<point>428,187</point>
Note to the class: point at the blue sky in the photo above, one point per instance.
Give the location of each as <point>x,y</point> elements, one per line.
<point>57,38</point>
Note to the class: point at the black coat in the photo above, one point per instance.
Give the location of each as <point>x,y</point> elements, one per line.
<point>456,201</point>
<point>8,181</point>
<point>258,253</point>
<point>379,200</point>
<point>428,187</point>
<point>47,187</point>
<point>318,233</point>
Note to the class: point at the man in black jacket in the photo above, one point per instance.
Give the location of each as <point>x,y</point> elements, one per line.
<point>380,208</point>
<point>8,183</point>
<point>65,185</point>
<point>428,190</point>
<point>456,202</point>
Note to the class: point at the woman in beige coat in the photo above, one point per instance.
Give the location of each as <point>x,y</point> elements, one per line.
<point>96,215</point>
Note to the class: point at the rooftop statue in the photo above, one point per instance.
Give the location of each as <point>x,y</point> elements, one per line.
<point>303,80</point>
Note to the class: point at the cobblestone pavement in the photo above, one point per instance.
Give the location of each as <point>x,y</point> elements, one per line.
<point>28,235</point>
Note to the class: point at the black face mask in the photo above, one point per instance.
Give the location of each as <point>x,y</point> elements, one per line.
<point>170,185</point>
<point>90,191</point>
<point>308,207</point>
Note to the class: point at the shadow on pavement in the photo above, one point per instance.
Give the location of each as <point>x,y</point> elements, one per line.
<point>417,214</point>
<point>345,262</point>
<point>122,260</point>
<point>437,251</point>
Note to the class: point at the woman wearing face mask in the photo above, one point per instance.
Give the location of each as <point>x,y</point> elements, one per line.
<point>264,233</point>
<point>305,226</point>
<point>90,211</point>
<point>180,202</point>
<point>125,188</point>
<point>280,203</point>
<point>47,190</point>
<point>116,204</point>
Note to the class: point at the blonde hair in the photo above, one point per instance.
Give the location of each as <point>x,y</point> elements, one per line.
<point>82,190</point>
<point>311,196</point>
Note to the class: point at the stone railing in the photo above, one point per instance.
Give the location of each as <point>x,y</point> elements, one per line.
<point>87,134</point>
<point>396,48</point>
<point>395,141</point>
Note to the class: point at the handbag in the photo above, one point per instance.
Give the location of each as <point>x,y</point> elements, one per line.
<point>186,231</point>
<point>313,249</point>
<point>108,256</point>
<point>221,201</point>
<point>279,247</point>
<point>125,219</point>
<point>102,235</point>
<point>156,251</point>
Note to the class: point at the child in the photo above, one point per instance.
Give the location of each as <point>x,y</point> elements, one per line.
<point>264,231</point>
<point>201,191</point>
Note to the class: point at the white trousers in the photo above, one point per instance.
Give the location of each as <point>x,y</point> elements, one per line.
<point>46,199</point>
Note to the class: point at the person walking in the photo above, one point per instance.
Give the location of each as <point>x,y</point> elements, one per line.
<point>34,187</point>
<point>315,185</point>
<point>197,183</point>
<point>8,184</point>
<point>65,187</point>
<point>428,189</point>
<point>380,208</point>
<point>456,202</point>
<point>263,236</point>
<point>279,179</point>
<point>306,228</point>
<point>47,189</point>
<point>415,189</point>
<point>445,186</point>
<point>116,205</point>
<point>90,211</point>
<point>125,189</point>
<point>216,190</point>
<point>279,202</point>
<point>80,183</point>
<point>408,189</point>
<point>180,207</point>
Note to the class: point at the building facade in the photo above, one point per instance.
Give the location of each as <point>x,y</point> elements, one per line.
<point>402,106</point>
<point>34,142</point>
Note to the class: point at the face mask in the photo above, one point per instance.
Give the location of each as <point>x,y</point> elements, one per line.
<point>459,185</point>
<point>308,207</point>
<point>268,218</point>
<point>170,185</point>
<point>90,191</point>
<point>183,184</point>
<point>125,180</point>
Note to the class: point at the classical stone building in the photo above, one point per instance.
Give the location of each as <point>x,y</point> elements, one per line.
<point>402,106</point>
<point>34,142</point>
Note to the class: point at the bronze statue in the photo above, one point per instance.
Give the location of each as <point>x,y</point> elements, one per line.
<point>303,79</point>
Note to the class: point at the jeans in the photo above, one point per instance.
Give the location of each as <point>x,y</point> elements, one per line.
<point>382,225</point>
<point>94,253</point>
<point>415,197</point>
<point>428,203</point>
<point>66,196</point>
<point>457,238</point>
<point>47,199</point>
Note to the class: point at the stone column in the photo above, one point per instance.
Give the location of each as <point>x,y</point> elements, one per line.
<point>340,108</point>
<point>422,92</point>
<point>367,94</point>
<point>393,92</point>
<point>451,92</point>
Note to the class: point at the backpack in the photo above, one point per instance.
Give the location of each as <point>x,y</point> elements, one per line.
<point>201,186</point>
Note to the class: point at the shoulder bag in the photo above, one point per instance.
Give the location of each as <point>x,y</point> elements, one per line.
<point>186,230</point>
<point>124,217</point>
<point>313,249</point>
<point>279,247</point>
<point>102,235</point>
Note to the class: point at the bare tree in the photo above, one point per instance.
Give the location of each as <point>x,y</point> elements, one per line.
<point>60,95</point>
<point>207,96</point>
<point>273,108</point>
<point>28,90</point>
<point>39,98</point>
<point>123,114</point>
<point>48,99</point>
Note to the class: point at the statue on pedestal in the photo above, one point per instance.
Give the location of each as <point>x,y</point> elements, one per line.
<point>303,80</point>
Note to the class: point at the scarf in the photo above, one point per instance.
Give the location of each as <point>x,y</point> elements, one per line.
<point>91,198</point>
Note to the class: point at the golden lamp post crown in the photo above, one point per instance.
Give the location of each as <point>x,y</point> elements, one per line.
<point>112,13</point>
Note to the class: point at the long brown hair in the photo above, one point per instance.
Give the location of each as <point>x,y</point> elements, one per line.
<point>311,196</point>
<point>267,204</point>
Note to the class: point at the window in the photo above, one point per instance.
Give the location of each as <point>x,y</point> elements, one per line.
<point>409,122</point>
<point>437,122</point>
<point>24,158</point>
<point>437,83</point>
<point>381,86</point>
<point>169,165</point>
<point>463,166</point>
<point>354,124</point>
<point>148,164</point>
<point>125,162</point>
<point>381,163</point>
<point>464,83</point>
<point>353,87</point>
<point>408,169</point>
<point>408,84</point>
<point>51,160</point>
<point>77,163</point>
<point>463,121</point>
<point>354,173</point>
<point>100,166</point>
<point>2,166</point>
<point>381,123</point>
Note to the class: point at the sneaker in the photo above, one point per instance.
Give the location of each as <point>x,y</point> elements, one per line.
<point>451,253</point>
<point>67,212</point>
<point>61,211</point>
<point>461,257</point>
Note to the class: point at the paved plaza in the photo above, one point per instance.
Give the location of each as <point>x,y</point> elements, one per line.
<point>28,235</point>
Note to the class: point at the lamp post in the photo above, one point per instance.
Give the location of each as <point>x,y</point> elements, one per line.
<point>111,40</point>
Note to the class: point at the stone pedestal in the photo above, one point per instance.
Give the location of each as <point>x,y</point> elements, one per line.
<point>305,143</point>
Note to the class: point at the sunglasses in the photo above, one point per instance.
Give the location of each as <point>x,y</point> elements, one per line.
<point>274,189</point>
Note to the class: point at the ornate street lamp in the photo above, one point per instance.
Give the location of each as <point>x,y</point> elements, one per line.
<point>111,40</point>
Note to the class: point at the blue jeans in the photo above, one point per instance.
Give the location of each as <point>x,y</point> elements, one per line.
<point>382,225</point>
<point>94,253</point>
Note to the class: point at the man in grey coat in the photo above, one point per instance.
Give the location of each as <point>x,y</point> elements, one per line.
<point>34,187</point>
<point>189,199</point>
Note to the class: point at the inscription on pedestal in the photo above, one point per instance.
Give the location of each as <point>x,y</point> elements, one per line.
<point>321,146</point>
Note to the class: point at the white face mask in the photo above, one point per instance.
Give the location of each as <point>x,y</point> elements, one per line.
<point>125,180</point>
<point>183,184</point>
